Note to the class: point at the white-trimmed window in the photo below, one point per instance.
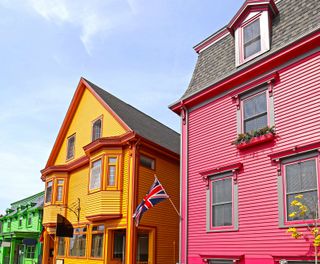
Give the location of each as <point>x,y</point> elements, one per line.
<point>252,37</point>
<point>71,146</point>
<point>95,175</point>
<point>96,129</point>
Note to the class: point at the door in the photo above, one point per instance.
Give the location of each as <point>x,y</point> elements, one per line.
<point>118,246</point>
<point>19,254</point>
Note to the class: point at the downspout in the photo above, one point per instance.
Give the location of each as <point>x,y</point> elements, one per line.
<point>133,199</point>
<point>184,165</point>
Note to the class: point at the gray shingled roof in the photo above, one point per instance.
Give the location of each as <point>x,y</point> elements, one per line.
<point>139,122</point>
<point>296,19</point>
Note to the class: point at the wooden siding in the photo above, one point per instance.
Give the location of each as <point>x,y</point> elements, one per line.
<point>88,110</point>
<point>212,128</point>
<point>163,216</point>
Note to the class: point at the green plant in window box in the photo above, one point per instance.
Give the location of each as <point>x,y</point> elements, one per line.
<point>246,137</point>
<point>300,210</point>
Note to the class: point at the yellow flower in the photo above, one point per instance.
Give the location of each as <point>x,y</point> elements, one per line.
<point>294,203</point>
<point>315,231</point>
<point>299,196</point>
<point>293,214</point>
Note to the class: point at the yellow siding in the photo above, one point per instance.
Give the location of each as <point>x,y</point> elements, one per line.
<point>88,110</point>
<point>162,216</point>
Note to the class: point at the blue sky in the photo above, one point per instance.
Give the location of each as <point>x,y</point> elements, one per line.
<point>139,50</point>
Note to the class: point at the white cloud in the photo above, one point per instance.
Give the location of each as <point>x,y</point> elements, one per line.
<point>93,18</point>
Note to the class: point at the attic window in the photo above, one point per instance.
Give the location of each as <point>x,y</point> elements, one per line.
<point>251,39</point>
<point>70,146</point>
<point>96,128</point>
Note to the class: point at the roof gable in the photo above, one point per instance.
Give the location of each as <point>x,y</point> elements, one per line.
<point>251,6</point>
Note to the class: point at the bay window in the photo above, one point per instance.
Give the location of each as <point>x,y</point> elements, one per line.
<point>95,175</point>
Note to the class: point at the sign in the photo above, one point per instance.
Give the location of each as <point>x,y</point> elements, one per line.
<point>64,227</point>
<point>59,261</point>
<point>6,244</point>
<point>29,241</point>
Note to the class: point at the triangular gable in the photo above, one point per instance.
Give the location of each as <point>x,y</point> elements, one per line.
<point>251,6</point>
<point>82,86</point>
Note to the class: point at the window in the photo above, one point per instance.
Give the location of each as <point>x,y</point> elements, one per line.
<point>20,221</point>
<point>30,252</point>
<point>112,171</point>
<point>78,243</point>
<point>220,261</point>
<point>221,206</point>
<point>301,178</point>
<point>49,192</point>
<point>222,199</point>
<point>70,147</point>
<point>119,244</point>
<point>61,246</point>
<point>95,175</point>
<point>59,194</point>
<point>9,224</point>
<point>147,162</point>
<point>96,129</point>
<point>29,219</point>
<point>255,113</point>
<point>143,247</point>
<point>251,39</point>
<point>97,241</point>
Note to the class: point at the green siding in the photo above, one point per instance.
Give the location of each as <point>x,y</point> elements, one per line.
<point>23,209</point>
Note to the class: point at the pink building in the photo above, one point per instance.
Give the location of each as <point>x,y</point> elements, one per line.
<point>261,71</point>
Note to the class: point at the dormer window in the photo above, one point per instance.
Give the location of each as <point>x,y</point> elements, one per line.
<point>251,28</point>
<point>251,39</point>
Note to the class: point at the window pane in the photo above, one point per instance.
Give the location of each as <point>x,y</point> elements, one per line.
<point>70,148</point>
<point>95,177</point>
<point>308,175</point>
<point>255,106</point>
<point>61,246</point>
<point>309,199</point>
<point>249,108</point>
<point>97,245</point>
<point>59,193</point>
<point>293,178</point>
<point>112,175</point>
<point>222,215</point>
<point>119,244</point>
<point>252,48</point>
<point>147,162</point>
<point>49,192</point>
<point>256,123</point>
<point>78,245</point>
<point>98,228</point>
<point>252,31</point>
<point>221,191</point>
<point>112,160</point>
<point>143,247</point>
<point>222,261</point>
<point>96,130</point>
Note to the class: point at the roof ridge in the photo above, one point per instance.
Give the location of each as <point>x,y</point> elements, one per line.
<point>136,109</point>
<point>28,198</point>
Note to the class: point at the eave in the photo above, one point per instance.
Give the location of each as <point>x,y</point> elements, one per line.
<point>266,64</point>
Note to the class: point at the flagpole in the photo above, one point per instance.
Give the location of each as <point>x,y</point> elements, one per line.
<point>175,208</point>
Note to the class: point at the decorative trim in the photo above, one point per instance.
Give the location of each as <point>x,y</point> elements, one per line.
<point>102,217</point>
<point>234,168</point>
<point>275,157</point>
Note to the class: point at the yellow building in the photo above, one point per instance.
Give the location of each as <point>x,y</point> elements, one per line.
<point>101,166</point>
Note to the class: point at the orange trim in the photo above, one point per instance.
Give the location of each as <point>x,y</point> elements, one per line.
<point>102,217</point>
<point>82,85</point>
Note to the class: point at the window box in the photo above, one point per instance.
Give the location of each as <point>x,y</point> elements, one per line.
<point>256,141</point>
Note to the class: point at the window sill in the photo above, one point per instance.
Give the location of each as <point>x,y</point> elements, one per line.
<point>256,141</point>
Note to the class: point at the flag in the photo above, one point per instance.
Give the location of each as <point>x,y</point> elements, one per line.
<point>155,195</point>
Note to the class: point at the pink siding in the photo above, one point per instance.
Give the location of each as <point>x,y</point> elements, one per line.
<point>211,130</point>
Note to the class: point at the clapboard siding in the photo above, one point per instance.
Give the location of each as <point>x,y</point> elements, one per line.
<point>162,217</point>
<point>212,128</point>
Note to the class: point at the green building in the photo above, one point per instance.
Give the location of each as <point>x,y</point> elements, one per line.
<point>20,229</point>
